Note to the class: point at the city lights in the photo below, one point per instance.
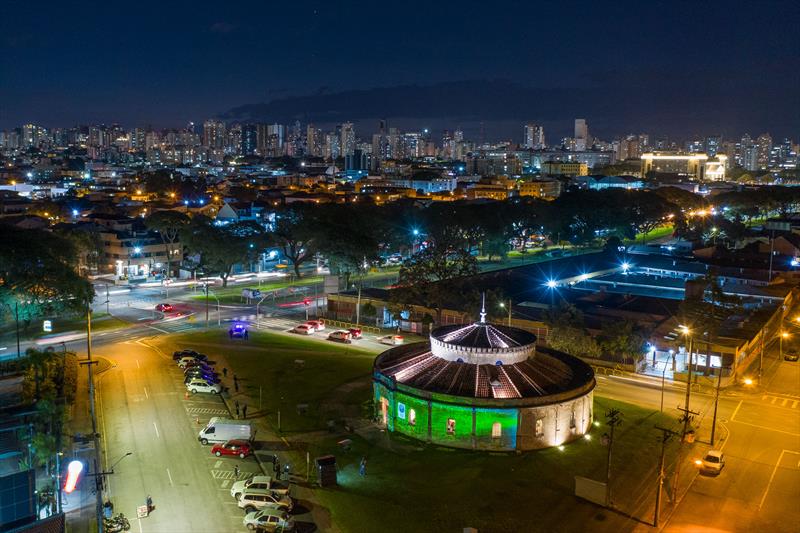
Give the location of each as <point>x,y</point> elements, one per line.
<point>551,284</point>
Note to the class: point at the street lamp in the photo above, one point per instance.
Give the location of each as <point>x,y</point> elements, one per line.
<point>687,332</point>
<point>783,335</point>
<point>503,305</point>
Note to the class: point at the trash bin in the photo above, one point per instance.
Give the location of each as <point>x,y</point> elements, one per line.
<point>326,470</point>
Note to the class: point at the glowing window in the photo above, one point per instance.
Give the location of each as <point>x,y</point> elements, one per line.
<point>497,429</point>
<point>539,427</point>
<point>451,426</point>
<point>412,417</point>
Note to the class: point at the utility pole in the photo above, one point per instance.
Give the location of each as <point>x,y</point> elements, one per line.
<point>716,404</point>
<point>685,418</point>
<point>206,289</point>
<point>95,437</point>
<point>666,435</point>
<point>108,311</point>
<point>613,419</point>
<point>688,390</point>
<point>16,315</point>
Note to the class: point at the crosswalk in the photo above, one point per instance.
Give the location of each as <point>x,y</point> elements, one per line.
<point>781,401</point>
<point>206,411</point>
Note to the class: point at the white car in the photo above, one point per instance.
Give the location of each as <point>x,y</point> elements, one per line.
<point>712,462</point>
<point>340,336</point>
<point>257,499</point>
<point>303,329</point>
<point>269,520</point>
<point>392,340</point>
<point>259,482</point>
<point>196,385</point>
<point>183,362</point>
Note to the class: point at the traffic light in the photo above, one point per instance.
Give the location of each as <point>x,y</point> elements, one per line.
<point>74,470</point>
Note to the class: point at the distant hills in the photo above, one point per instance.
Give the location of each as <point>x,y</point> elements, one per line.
<point>502,106</point>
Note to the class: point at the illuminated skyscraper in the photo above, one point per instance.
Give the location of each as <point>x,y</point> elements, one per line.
<point>533,137</point>
<point>581,134</point>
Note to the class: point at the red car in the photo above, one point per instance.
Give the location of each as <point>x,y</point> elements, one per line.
<point>237,447</point>
<point>355,333</point>
<point>164,308</point>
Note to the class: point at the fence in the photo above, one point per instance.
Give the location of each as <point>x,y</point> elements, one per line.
<point>347,325</point>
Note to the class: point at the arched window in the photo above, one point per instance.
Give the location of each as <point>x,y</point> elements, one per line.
<point>412,417</point>
<point>459,360</point>
<point>498,363</point>
<point>497,430</point>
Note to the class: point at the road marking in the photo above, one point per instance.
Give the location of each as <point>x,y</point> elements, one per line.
<point>783,403</point>
<point>766,428</point>
<point>137,365</point>
<point>225,484</point>
<point>170,477</point>
<point>140,525</point>
<point>145,393</point>
<point>774,471</point>
<point>736,410</point>
<point>155,426</point>
<point>158,329</point>
<point>774,399</point>
<point>217,464</point>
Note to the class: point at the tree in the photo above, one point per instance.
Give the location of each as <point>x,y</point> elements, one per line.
<point>566,332</point>
<point>432,277</point>
<point>38,273</point>
<point>221,247</point>
<point>622,340</point>
<point>168,225</point>
<point>295,234</point>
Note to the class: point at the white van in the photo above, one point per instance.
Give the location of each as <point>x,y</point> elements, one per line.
<point>222,430</point>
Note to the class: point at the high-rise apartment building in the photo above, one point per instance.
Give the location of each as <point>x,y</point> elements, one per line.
<point>347,138</point>
<point>249,139</point>
<point>314,143</point>
<point>581,135</point>
<point>763,150</point>
<point>214,134</point>
<point>533,137</point>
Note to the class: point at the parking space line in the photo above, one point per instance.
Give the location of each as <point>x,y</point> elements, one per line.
<point>225,485</point>
<point>155,426</point>
<point>765,428</point>
<point>217,464</point>
<point>774,471</point>
<point>736,410</point>
<point>145,393</point>
<point>170,477</point>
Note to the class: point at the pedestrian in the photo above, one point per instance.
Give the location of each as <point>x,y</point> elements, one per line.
<point>362,467</point>
<point>235,383</point>
<point>236,403</point>
<point>244,411</point>
<point>224,372</point>
<point>245,335</point>
<point>236,471</point>
<point>276,468</point>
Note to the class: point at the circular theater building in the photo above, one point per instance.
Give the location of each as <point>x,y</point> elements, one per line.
<point>483,386</point>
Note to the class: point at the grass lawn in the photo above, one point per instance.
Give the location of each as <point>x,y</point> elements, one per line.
<point>268,360</point>
<point>659,232</point>
<point>415,487</point>
<point>412,486</point>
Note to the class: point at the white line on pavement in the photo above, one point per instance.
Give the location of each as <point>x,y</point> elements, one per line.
<point>217,464</point>
<point>158,329</point>
<point>774,470</point>
<point>736,410</point>
<point>137,365</point>
<point>145,393</point>
<point>140,525</point>
<point>225,484</point>
<point>170,477</point>
<point>765,428</point>
<point>155,426</point>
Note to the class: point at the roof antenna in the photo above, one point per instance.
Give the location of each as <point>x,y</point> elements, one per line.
<point>483,308</point>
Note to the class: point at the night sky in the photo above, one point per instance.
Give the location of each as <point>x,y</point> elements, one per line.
<point>674,67</point>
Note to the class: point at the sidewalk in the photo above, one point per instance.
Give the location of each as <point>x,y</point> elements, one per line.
<point>274,445</point>
<point>80,507</point>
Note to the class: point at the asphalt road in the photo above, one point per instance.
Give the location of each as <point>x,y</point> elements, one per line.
<point>759,487</point>
<point>142,409</point>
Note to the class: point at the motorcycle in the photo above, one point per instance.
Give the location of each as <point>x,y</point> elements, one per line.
<point>116,524</point>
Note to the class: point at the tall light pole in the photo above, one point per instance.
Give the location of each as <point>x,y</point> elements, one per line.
<point>687,332</point>
<point>258,317</point>
<point>503,305</point>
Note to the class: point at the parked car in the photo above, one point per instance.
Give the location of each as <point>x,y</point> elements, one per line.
<point>355,333</point>
<point>189,353</point>
<point>164,308</point>
<point>392,340</point>
<point>196,370</point>
<point>208,378</point>
<point>269,520</point>
<point>186,362</point>
<point>200,385</point>
<point>340,336</point>
<point>318,324</point>
<point>256,499</point>
<point>236,447</point>
<point>790,355</point>
<point>258,482</point>
<point>303,329</point>
<point>712,462</point>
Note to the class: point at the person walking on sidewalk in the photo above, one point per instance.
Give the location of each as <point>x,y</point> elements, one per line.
<point>224,372</point>
<point>244,411</point>
<point>276,468</point>
<point>235,471</point>
<point>362,467</point>
<point>236,403</point>
<point>235,383</point>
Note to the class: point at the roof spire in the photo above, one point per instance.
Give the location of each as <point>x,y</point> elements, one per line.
<point>483,308</point>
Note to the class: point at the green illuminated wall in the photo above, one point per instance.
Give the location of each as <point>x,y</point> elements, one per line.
<point>484,422</point>
<point>463,417</point>
<point>402,417</point>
